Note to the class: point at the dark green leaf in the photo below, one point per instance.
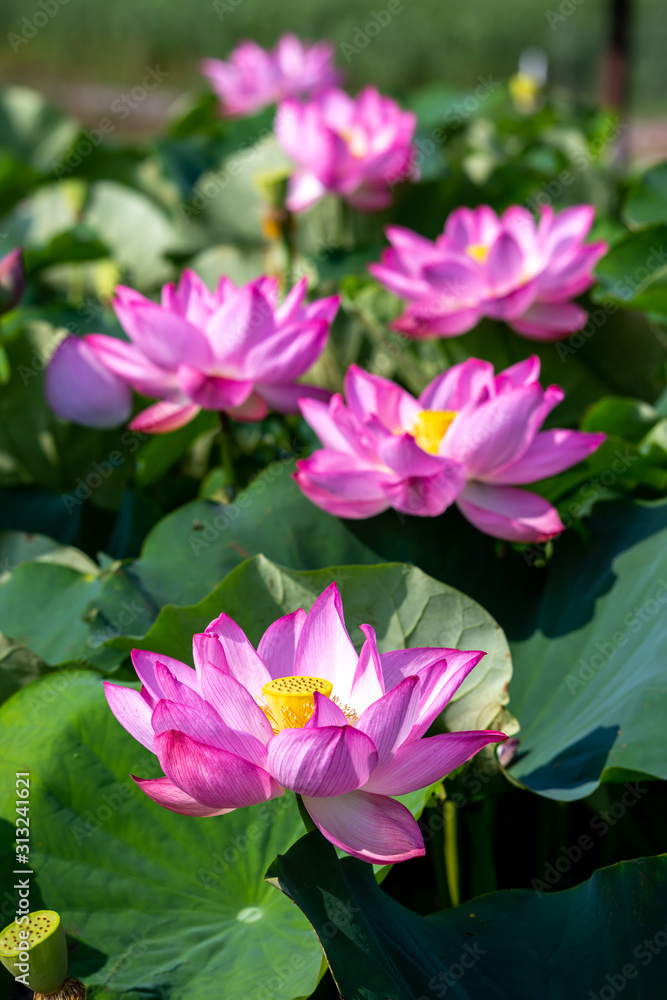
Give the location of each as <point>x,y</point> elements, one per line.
<point>51,609</point>
<point>78,244</point>
<point>33,130</point>
<point>594,940</point>
<point>647,201</point>
<point>190,551</point>
<point>18,667</point>
<point>161,451</point>
<point>630,419</point>
<point>633,263</point>
<point>138,233</point>
<point>588,685</point>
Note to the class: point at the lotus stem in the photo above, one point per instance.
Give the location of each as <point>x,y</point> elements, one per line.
<point>305,815</point>
<point>226,457</point>
<point>452,852</point>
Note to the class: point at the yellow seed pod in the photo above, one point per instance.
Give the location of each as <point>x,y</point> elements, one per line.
<point>33,949</point>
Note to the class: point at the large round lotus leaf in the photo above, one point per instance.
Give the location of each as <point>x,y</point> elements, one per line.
<point>600,939</point>
<point>161,904</point>
<point>590,686</point>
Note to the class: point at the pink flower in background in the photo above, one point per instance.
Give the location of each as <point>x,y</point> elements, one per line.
<point>509,268</point>
<point>356,148</point>
<point>234,349</point>
<point>253,78</point>
<point>12,279</point>
<point>79,387</point>
<point>304,712</point>
<point>470,439</point>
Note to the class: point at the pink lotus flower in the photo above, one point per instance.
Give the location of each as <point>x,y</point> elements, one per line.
<point>79,387</point>
<point>12,279</point>
<point>304,712</point>
<point>234,349</point>
<point>354,147</point>
<point>507,268</point>
<point>470,438</point>
<point>254,78</point>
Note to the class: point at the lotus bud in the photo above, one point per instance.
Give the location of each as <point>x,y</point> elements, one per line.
<point>79,387</point>
<point>272,185</point>
<point>278,223</point>
<point>12,280</point>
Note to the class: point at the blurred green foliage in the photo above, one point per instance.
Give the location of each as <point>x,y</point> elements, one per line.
<point>430,40</point>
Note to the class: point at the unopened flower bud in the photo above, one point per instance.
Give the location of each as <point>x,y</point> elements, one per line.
<point>12,280</point>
